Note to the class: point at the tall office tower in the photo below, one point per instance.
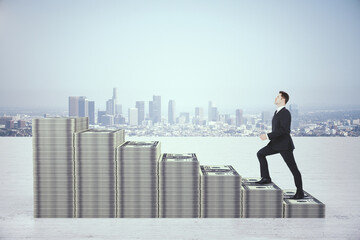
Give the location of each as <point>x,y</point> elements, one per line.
<point>266,117</point>
<point>73,106</point>
<point>137,179</point>
<point>239,117</point>
<point>156,109</point>
<point>210,105</point>
<point>100,114</point>
<point>179,191</point>
<point>171,112</point>
<point>118,109</point>
<point>214,114</point>
<point>133,116</point>
<point>54,165</point>
<point>140,105</point>
<point>83,107</point>
<point>92,119</point>
<point>151,110</point>
<point>110,107</point>
<point>199,116</point>
<point>294,110</point>
<point>253,195</point>
<point>220,192</point>
<point>95,172</point>
<point>114,102</point>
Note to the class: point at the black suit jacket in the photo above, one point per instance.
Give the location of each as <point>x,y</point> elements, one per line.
<point>280,139</point>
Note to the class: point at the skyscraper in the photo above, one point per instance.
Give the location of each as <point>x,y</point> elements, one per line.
<point>239,117</point>
<point>133,116</point>
<point>294,110</point>
<point>110,107</point>
<point>151,110</point>
<point>199,116</point>
<point>210,105</point>
<point>73,106</point>
<point>156,109</point>
<point>266,117</point>
<point>114,98</point>
<point>214,114</point>
<point>171,112</point>
<point>140,105</point>
<point>92,112</point>
<point>83,107</point>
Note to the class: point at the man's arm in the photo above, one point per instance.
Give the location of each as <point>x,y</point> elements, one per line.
<point>285,121</point>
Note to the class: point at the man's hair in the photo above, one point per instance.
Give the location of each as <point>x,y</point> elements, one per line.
<point>284,95</point>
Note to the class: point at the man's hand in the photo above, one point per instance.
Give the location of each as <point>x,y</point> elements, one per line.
<point>263,137</point>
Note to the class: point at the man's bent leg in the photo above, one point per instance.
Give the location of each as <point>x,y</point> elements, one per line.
<point>261,154</point>
<point>288,157</point>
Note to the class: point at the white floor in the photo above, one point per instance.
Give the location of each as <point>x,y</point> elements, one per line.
<point>330,169</point>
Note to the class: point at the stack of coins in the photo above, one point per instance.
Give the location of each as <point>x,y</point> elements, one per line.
<point>54,165</point>
<point>220,192</point>
<point>179,186</point>
<point>261,200</point>
<point>95,172</point>
<point>308,207</point>
<point>137,179</point>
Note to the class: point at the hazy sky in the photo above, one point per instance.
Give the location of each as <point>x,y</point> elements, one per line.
<point>238,54</point>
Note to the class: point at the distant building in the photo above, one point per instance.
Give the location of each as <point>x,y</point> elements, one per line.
<point>119,119</point>
<point>199,116</point>
<point>214,114</point>
<point>21,124</point>
<point>133,116</point>
<point>210,105</point>
<point>239,117</point>
<point>100,114</point>
<point>73,106</point>
<point>151,110</point>
<point>92,119</point>
<point>118,109</point>
<point>107,120</point>
<point>171,112</point>
<point>295,121</point>
<point>156,117</point>
<point>10,124</point>
<point>140,105</point>
<point>266,117</point>
<point>4,119</point>
<point>83,107</point>
<point>110,108</point>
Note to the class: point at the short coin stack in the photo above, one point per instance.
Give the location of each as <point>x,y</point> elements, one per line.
<point>179,186</point>
<point>95,172</point>
<point>220,192</point>
<point>308,207</point>
<point>137,179</point>
<point>54,165</point>
<point>261,200</point>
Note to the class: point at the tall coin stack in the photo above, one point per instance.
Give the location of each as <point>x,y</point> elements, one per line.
<point>179,186</point>
<point>261,200</point>
<point>95,172</point>
<point>220,192</point>
<point>137,179</point>
<point>54,165</point>
<point>308,207</point>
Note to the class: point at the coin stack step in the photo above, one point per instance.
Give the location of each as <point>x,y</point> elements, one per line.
<point>308,207</point>
<point>137,179</point>
<point>95,172</point>
<point>220,192</point>
<point>261,200</point>
<point>54,165</point>
<point>179,186</point>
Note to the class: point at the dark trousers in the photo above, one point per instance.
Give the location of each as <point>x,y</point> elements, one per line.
<point>288,157</point>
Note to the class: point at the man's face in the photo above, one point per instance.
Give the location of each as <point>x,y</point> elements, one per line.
<point>279,100</point>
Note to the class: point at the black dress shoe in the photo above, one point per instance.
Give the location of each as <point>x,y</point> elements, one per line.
<point>264,180</point>
<point>298,195</point>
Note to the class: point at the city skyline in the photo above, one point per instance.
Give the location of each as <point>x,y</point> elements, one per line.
<point>238,54</point>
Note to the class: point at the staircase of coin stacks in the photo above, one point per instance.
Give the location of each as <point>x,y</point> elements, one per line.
<point>86,173</point>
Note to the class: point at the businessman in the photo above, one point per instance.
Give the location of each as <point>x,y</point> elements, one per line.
<point>280,142</point>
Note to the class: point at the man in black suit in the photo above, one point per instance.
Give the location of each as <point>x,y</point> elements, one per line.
<point>280,142</point>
